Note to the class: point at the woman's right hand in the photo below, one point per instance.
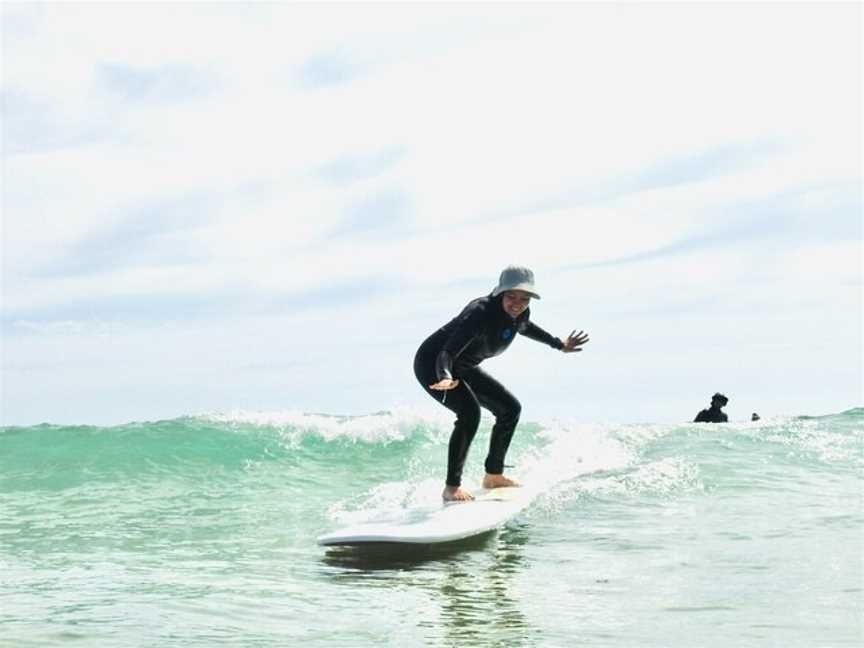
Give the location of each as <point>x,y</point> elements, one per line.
<point>445,384</point>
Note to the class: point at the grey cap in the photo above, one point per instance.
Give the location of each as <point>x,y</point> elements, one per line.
<point>516,278</point>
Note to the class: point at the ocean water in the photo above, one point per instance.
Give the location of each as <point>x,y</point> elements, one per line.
<point>200,531</point>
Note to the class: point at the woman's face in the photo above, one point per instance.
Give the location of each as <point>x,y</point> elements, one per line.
<point>515,302</point>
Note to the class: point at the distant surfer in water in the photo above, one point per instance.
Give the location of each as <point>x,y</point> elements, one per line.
<point>714,414</point>
<point>446,364</point>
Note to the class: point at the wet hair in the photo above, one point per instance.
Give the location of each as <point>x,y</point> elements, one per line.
<point>721,398</point>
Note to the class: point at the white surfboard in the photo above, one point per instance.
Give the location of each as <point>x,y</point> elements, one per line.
<point>490,509</point>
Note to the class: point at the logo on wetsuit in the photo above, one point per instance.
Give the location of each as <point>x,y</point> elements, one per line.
<point>506,334</point>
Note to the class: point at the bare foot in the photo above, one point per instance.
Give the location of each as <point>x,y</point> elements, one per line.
<point>456,494</point>
<point>498,481</point>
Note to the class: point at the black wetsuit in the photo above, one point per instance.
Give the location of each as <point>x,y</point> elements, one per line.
<point>711,415</point>
<point>482,330</point>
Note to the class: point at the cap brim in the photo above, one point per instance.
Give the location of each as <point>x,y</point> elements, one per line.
<point>523,287</point>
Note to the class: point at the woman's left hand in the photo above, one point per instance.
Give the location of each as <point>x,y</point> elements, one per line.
<point>574,341</point>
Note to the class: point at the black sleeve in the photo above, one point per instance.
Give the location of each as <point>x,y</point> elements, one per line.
<point>469,326</point>
<point>701,417</point>
<point>534,332</point>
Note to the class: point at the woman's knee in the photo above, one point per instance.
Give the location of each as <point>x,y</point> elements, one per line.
<point>511,412</point>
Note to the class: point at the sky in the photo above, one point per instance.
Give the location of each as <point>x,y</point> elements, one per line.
<point>266,207</point>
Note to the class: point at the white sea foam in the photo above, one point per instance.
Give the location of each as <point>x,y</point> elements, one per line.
<point>573,450</point>
<point>551,470</point>
<point>397,424</point>
<point>389,501</point>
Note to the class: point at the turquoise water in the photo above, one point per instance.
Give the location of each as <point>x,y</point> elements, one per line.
<point>200,531</point>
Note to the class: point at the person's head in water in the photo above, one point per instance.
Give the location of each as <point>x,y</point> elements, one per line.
<point>754,416</point>
<point>713,414</point>
<point>718,401</point>
<point>516,288</point>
